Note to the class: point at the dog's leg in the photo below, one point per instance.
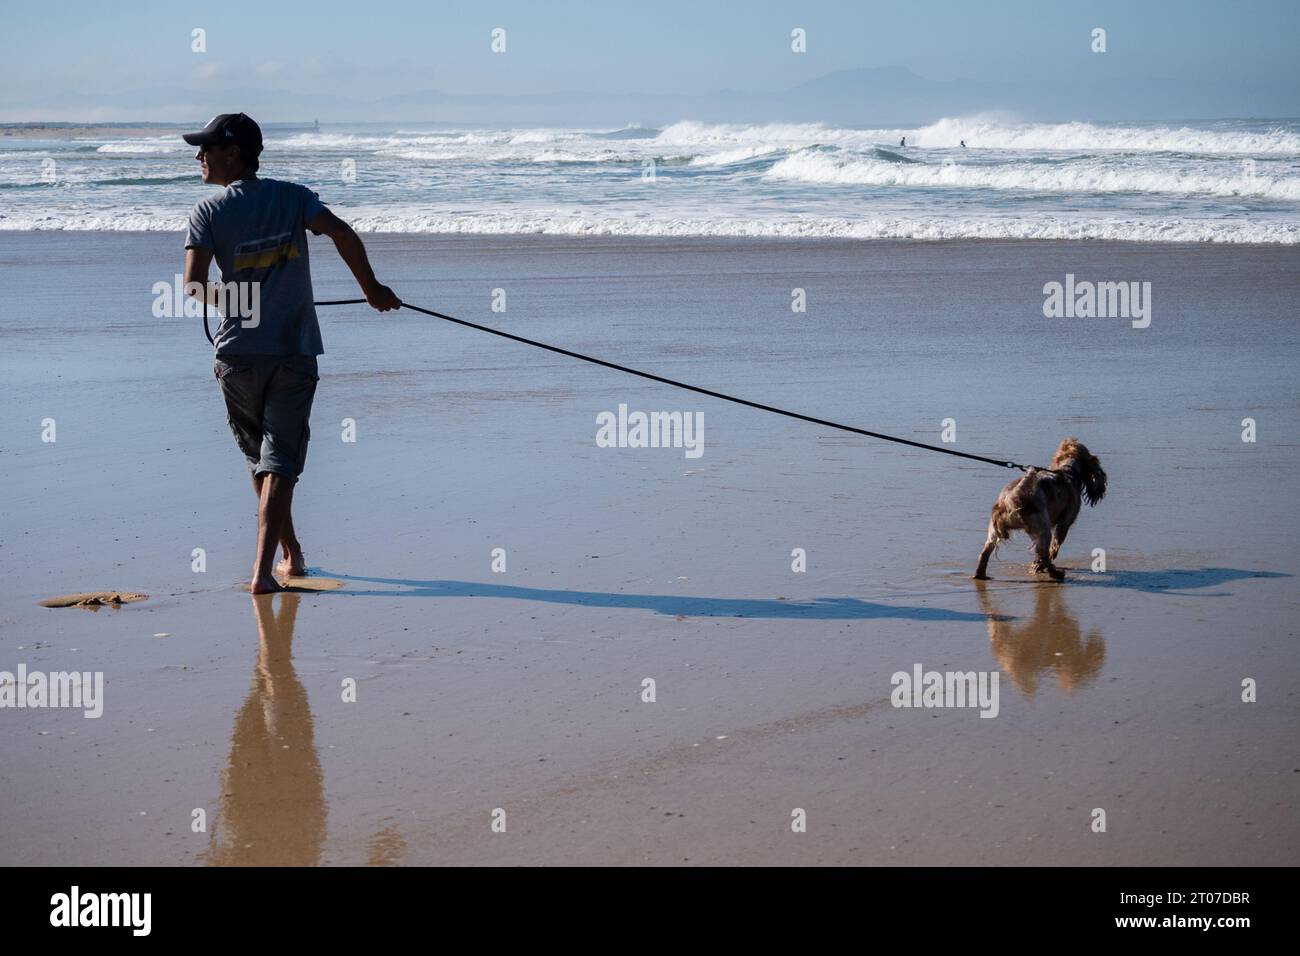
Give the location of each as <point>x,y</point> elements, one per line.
<point>1042,550</point>
<point>1058,539</point>
<point>1045,554</point>
<point>1040,529</point>
<point>981,572</point>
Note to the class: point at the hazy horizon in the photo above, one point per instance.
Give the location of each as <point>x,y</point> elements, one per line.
<point>864,96</point>
<point>563,64</point>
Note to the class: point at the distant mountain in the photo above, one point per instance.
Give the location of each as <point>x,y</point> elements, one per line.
<point>892,96</point>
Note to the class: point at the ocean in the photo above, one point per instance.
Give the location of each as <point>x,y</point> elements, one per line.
<point>1228,181</point>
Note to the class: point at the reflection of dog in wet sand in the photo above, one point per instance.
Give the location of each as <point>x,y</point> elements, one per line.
<point>1050,641</point>
<point>1044,504</point>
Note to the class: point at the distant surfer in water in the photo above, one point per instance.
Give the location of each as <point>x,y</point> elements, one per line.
<point>265,356</point>
<point>903,141</point>
<point>963,144</point>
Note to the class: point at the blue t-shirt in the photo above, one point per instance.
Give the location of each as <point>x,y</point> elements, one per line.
<point>257,231</point>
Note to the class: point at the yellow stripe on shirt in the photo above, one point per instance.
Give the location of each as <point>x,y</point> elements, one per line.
<point>264,258</point>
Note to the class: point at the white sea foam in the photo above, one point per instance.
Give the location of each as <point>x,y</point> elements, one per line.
<point>577,223</point>
<point>982,133</point>
<point>1014,227</point>
<point>1221,181</point>
<point>344,141</point>
<point>707,135</point>
<point>1088,177</point>
<point>602,155</point>
<point>170,144</point>
<point>730,156</point>
<point>424,154</point>
<point>722,143</point>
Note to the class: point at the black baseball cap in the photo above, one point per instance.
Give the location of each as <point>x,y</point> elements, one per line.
<point>228,128</point>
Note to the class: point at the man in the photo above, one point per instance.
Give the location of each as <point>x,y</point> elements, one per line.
<point>266,356</point>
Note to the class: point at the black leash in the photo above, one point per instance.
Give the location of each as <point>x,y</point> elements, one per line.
<point>690,388</point>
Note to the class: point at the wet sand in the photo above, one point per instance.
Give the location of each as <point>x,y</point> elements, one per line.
<point>521,690</point>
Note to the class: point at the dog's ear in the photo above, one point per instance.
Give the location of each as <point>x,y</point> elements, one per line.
<point>1069,448</point>
<point>1094,481</point>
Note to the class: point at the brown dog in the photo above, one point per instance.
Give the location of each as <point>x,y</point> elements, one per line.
<point>1044,504</point>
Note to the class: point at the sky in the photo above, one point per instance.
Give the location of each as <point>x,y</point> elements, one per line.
<point>134,61</point>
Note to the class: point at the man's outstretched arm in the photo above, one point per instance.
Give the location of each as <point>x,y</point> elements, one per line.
<point>353,252</point>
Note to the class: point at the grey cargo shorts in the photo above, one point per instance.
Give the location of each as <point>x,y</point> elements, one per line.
<point>268,402</point>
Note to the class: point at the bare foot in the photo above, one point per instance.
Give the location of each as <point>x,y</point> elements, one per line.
<point>265,586</point>
<point>979,576</point>
<point>294,566</point>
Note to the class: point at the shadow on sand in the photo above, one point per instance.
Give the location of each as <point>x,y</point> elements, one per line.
<point>1177,579</point>
<point>821,609</point>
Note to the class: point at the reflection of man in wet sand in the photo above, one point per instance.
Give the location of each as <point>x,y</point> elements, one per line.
<point>1051,640</point>
<point>272,792</point>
